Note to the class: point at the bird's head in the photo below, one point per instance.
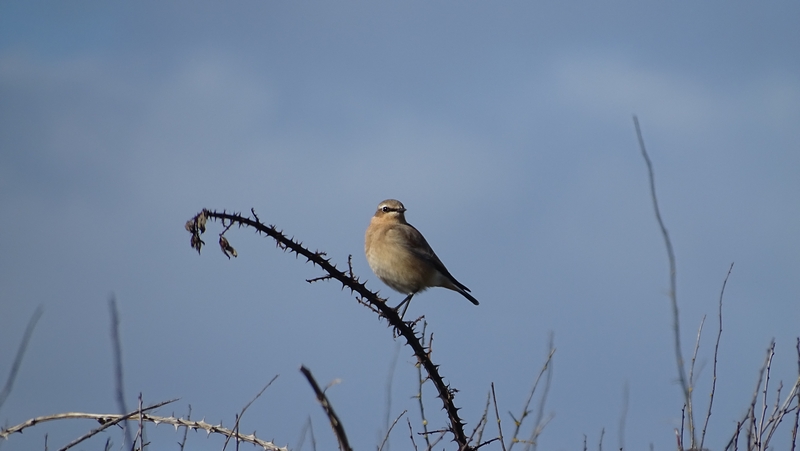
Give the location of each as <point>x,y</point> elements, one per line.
<point>391,210</point>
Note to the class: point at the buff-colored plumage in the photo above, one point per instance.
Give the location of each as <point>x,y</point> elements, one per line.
<point>399,255</point>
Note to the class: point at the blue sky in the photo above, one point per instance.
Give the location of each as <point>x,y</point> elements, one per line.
<point>506,131</point>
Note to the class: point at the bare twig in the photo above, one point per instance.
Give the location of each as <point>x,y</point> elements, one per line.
<point>389,382</point>
<point>750,414</point>
<point>350,266</point>
<point>694,354</point>
<point>320,278</point>
<point>477,434</point>
<point>760,427</point>
<point>186,430</point>
<point>797,410</point>
<point>386,437</point>
<point>308,428</point>
<point>23,345</point>
<point>600,443</point>
<point>236,430</point>
<point>716,354</point>
<point>427,343</point>
<point>541,422</point>
<point>781,410</point>
<point>119,387</point>
<point>338,429</point>
<point>525,411</point>
<point>140,433</point>
<point>439,436</point>
<point>411,434</point>
<point>497,417</point>
<point>687,394</point>
<point>752,431</point>
<point>239,416</point>
<point>623,415</point>
<point>481,445</point>
<point>683,422</point>
<point>735,439</point>
<point>421,381</point>
<point>533,442</point>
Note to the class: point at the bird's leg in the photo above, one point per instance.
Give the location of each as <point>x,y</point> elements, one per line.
<point>407,302</point>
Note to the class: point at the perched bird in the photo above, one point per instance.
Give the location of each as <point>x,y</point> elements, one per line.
<point>399,255</point>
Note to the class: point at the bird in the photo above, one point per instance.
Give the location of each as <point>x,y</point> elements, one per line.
<point>401,257</point>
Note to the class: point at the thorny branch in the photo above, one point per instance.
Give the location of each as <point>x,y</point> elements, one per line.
<point>106,421</point>
<point>109,419</point>
<point>197,225</point>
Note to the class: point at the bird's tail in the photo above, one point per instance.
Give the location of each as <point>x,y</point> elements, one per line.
<point>469,296</point>
<point>450,282</point>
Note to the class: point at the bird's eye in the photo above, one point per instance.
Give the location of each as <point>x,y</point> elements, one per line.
<point>385,209</point>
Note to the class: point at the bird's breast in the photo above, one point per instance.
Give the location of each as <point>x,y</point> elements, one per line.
<point>398,267</point>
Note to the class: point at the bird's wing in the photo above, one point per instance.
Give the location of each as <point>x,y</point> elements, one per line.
<point>417,244</point>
